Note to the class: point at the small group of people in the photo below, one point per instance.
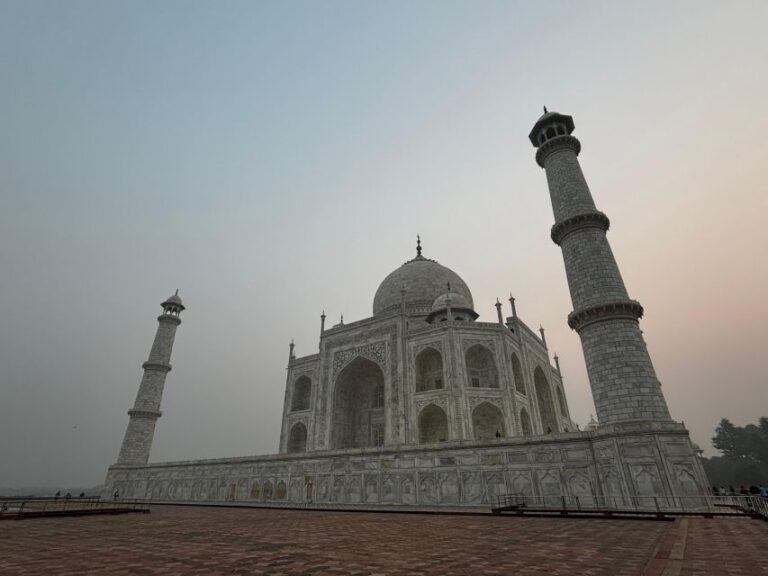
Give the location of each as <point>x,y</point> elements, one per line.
<point>743,490</point>
<point>67,496</point>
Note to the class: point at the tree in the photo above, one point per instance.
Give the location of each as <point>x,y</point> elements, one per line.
<point>745,454</point>
<point>748,443</point>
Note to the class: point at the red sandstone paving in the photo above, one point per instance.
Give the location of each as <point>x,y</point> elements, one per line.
<point>200,540</point>
<point>738,547</point>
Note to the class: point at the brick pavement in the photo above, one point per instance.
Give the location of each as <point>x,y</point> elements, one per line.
<point>198,540</point>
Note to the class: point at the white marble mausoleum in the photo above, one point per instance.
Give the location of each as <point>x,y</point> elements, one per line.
<point>421,404</point>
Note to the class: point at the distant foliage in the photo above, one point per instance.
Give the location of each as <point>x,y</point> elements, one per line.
<point>745,454</point>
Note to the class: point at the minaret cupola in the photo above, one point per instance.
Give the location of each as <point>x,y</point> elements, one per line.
<point>550,125</point>
<point>173,305</point>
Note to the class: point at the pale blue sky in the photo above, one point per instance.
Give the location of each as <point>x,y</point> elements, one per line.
<point>272,159</point>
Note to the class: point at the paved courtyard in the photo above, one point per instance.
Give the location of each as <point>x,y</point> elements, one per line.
<point>198,540</point>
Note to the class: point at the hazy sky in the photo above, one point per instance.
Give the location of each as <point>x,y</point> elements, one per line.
<point>274,159</point>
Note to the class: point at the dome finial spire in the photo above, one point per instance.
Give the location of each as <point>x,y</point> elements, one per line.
<point>418,245</point>
<point>545,110</point>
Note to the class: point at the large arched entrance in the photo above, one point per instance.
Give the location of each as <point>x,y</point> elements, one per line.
<point>487,421</point>
<point>358,406</point>
<point>546,405</point>
<point>433,425</point>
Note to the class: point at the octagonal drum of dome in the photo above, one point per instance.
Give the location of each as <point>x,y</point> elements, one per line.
<point>423,280</point>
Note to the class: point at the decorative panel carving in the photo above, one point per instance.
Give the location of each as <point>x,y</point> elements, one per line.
<point>376,352</point>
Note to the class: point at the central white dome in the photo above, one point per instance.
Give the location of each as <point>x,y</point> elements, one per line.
<point>423,280</point>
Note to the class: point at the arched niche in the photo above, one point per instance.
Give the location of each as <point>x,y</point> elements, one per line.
<point>302,392</point>
<point>297,438</point>
<point>429,370</point>
<point>267,490</point>
<point>433,425</point>
<point>517,374</point>
<point>481,367</point>
<point>561,402</point>
<point>525,422</point>
<point>546,405</point>
<point>358,406</point>
<point>487,421</point>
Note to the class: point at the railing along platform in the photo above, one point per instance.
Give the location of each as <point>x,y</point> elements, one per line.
<point>35,507</point>
<point>636,506</point>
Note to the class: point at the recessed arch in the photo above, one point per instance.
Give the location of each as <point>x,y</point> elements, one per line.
<point>429,370</point>
<point>517,374</point>
<point>358,406</point>
<point>255,490</point>
<point>433,425</point>
<point>297,438</point>
<point>301,395</point>
<point>561,402</point>
<point>267,491</point>
<point>481,367</point>
<point>487,422</point>
<point>525,422</point>
<point>546,405</point>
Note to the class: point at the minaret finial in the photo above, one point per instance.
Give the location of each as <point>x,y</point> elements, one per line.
<point>545,110</point>
<point>177,292</point>
<point>418,245</point>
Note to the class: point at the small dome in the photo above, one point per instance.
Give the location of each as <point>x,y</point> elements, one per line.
<point>456,301</point>
<point>423,281</point>
<point>548,118</point>
<point>173,299</point>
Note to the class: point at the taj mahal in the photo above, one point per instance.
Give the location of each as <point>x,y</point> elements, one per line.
<point>421,404</point>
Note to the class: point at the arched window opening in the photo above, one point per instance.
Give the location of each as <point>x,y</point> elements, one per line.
<point>358,406</point>
<point>297,438</point>
<point>525,422</point>
<point>560,130</point>
<point>302,391</point>
<point>281,491</point>
<point>433,425</point>
<point>546,406</point>
<point>561,402</point>
<point>481,367</point>
<point>378,396</point>
<point>429,370</point>
<point>487,422</point>
<point>550,133</point>
<point>517,374</point>
<point>268,490</point>
<point>255,490</point>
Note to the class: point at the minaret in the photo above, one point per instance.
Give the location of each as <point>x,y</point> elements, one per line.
<point>146,410</point>
<point>623,381</point>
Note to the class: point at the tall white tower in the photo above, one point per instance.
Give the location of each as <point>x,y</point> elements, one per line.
<point>623,381</point>
<point>146,410</point>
